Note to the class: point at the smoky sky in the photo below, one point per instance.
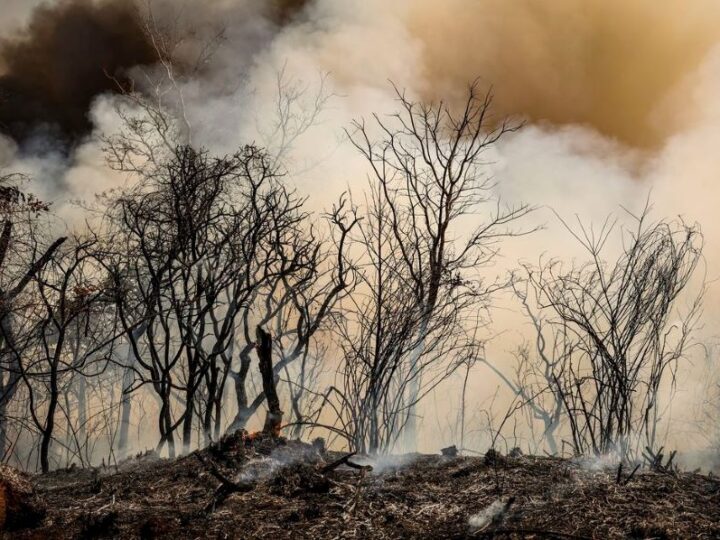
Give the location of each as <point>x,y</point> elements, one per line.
<point>284,11</point>
<point>71,52</point>
<point>617,66</point>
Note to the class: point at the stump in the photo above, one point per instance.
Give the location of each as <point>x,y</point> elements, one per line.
<point>19,507</point>
<point>263,346</point>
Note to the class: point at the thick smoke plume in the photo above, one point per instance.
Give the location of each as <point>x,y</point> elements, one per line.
<point>70,53</point>
<point>75,50</point>
<point>613,65</point>
<point>284,11</point>
<point>618,67</point>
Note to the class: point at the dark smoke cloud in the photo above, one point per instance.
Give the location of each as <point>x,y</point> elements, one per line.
<point>74,50</point>
<point>66,57</point>
<point>285,11</point>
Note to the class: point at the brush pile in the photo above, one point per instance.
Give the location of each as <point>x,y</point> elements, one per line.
<point>266,487</point>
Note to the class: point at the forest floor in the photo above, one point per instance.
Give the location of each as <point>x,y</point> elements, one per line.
<point>268,489</point>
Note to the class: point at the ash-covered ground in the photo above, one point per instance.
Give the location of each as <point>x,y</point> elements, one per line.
<point>267,488</point>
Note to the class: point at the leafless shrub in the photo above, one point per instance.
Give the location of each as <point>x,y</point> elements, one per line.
<point>609,334</point>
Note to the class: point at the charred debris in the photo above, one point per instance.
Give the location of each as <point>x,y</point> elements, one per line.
<point>264,486</point>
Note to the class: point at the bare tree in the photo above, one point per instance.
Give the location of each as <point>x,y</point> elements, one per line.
<point>127,382</point>
<point>532,378</point>
<point>273,419</point>
<point>428,163</point>
<point>70,338</point>
<point>298,304</point>
<point>616,331</point>
<point>370,402</point>
<point>154,123</point>
<point>297,109</point>
<point>21,258</point>
<point>706,413</point>
<point>263,267</point>
<point>190,234</point>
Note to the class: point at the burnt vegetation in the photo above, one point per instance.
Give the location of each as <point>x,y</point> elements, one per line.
<point>275,489</point>
<point>205,299</point>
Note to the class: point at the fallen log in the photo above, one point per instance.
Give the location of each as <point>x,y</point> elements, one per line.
<point>358,467</point>
<point>654,460</point>
<point>619,480</point>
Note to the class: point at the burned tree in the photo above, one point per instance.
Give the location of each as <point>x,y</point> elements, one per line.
<point>263,346</point>
<point>428,166</point>
<point>533,377</point>
<point>531,384</point>
<point>707,400</point>
<point>154,124</point>
<point>371,401</point>
<point>620,336</point>
<point>72,337</point>
<point>202,240</point>
<point>311,278</point>
<point>181,232</point>
<point>24,252</point>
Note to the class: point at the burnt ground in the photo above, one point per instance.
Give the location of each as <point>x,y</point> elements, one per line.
<point>283,492</point>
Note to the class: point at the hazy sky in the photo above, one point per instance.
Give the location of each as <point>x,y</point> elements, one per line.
<point>622,97</point>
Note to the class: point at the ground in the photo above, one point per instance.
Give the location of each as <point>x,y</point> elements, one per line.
<point>266,489</point>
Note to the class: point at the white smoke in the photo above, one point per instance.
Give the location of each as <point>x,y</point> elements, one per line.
<point>572,168</point>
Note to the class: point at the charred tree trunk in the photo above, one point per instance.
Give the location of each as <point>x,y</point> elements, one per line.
<point>219,400</point>
<point>273,420</point>
<point>82,431</point>
<point>47,433</point>
<point>128,381</point>
<point>212,406</point>
<point>9,370</point>
<point>188,419</point>
<point>165,422</point>
<point>126,408</point>
<point>239,378</point>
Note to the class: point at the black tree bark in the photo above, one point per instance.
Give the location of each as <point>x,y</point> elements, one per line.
<point>273,420</point>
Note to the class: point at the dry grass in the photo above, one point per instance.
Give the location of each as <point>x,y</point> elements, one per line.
<point>430,497</point>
